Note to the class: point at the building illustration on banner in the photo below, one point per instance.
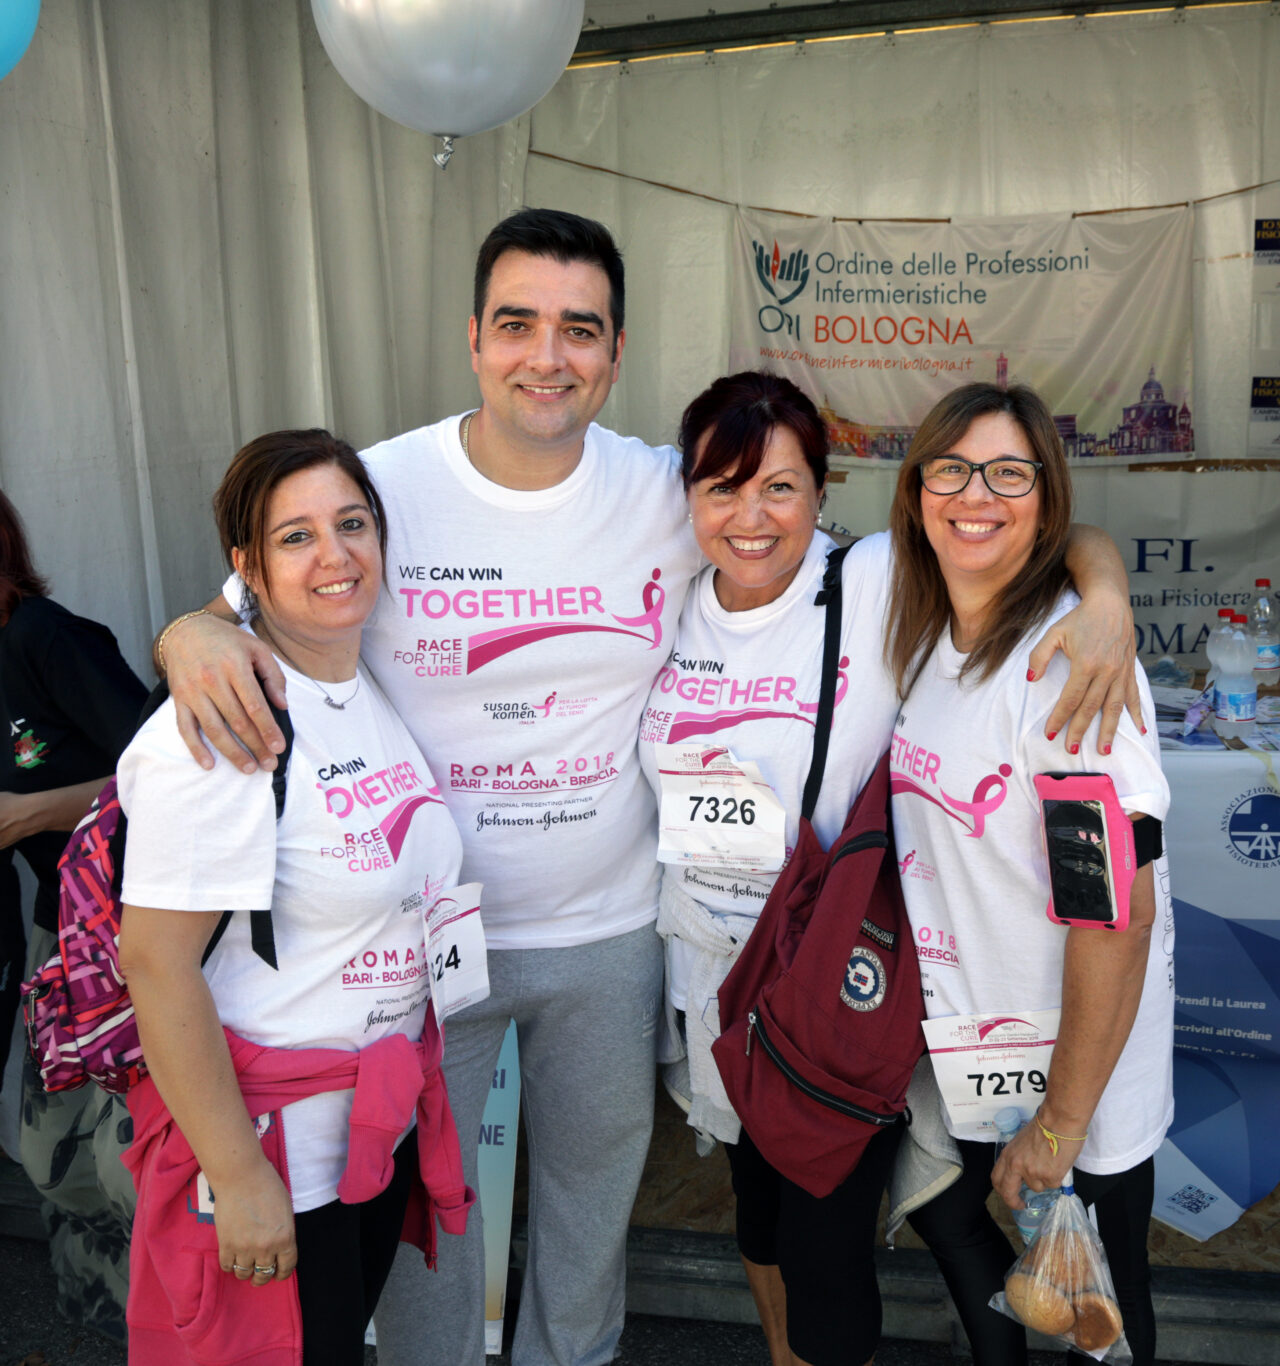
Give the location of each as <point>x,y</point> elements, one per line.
<point>1150,426</point>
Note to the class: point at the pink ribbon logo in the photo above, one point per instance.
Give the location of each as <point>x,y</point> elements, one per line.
<point>653,597</point>
<point>842,687</point>
<point>396,826</point>
<point>487,646</point>
<point>987,798</point>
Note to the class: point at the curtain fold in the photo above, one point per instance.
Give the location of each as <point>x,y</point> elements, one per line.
<point>208,235</point>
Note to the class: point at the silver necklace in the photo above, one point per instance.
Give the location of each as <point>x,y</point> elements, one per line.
<point>329,699</point>
<point>465,435</point>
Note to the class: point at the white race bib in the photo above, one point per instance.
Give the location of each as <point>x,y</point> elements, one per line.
<point>987,1063</point>
<point>456,950</point>
<point>717,811</point>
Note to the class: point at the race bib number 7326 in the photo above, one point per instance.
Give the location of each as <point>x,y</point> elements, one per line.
<point>717,811</point>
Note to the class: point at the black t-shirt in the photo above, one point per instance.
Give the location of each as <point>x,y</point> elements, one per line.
<point>69,704</point>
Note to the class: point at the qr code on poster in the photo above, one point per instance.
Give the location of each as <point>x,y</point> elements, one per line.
<point>1192,1199</point>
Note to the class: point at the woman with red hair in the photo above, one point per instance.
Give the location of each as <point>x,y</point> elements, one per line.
<point>71,704</point>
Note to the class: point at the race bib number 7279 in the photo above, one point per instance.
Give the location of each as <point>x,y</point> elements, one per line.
<point>988,1063</point>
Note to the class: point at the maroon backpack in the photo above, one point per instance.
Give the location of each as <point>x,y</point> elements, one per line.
<point>821,1013</point>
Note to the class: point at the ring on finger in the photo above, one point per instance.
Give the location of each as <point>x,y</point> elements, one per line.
<point>264,1270</point>
<point>235,1266</point>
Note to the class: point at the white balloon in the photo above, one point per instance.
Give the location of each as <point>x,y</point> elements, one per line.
<point>449,67</point>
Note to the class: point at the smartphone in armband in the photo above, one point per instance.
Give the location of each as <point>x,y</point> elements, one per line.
<point>1089,843</point>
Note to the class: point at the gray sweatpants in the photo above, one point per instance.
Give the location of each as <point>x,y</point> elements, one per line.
<point>587,1019</point>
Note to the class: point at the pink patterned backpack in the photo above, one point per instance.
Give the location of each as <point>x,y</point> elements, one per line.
<point>78,1015</point>
<point>77,1010</point>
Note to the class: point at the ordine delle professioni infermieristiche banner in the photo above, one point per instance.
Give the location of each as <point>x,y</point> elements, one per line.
<point>876,321</point>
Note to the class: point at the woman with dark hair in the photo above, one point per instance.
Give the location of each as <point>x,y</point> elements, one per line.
<point>744,675</point>
<point>70,703</point>
<point>979,526</point>
<point>322,1028</point>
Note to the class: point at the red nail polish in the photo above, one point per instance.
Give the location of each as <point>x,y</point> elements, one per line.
<point>1073,749</point>
<point>1031,675</point>
<point>1053,735</point>
<point>1144,730</point>
<point>1106,749</point>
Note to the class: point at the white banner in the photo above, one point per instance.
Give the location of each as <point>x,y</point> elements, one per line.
<point>876,321</point>
<point>1192,544</point>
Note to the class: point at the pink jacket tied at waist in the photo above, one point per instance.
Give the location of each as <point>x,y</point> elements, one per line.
<point>184,1310</point>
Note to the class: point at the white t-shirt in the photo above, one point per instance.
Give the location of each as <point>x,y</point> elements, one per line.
<point>750,680</point>
<point>364,846</point>
<point>518,637</point>
<point>967,827</point>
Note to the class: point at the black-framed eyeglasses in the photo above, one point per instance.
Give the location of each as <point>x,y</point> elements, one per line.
<point>1006,477</point>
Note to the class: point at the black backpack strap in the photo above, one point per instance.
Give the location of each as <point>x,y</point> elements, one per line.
<point>281,774</point>
<point>261,933</point>
<point>830,596</point>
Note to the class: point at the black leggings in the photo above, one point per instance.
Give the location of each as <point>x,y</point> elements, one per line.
<point>344,1257</point>
<point>824,1248</point>
<point>974,1255</point>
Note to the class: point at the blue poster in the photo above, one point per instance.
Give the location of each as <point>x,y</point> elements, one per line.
<point>1222,1153</point>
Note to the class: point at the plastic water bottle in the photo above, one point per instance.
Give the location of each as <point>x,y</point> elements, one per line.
<point>1236,707</point>
<point>1037,1203</point>
<point>1263,624</point>
<point>1218,637</point>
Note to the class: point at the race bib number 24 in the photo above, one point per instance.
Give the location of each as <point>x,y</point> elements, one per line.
<point>456,954</point>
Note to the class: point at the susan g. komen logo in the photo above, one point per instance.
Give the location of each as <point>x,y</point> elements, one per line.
<point>783,276</point>
<point>1252,826</point>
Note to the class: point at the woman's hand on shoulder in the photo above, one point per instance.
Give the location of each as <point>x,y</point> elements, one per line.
<point>254,1219</point>
<point>217,675</point>
<point>1097,638</point>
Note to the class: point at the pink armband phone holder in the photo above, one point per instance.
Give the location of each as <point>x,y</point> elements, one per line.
<point>1090,847</point>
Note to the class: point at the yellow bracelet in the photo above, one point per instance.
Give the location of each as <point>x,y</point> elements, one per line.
<point>164,635</point>
<point>1055,1139</point>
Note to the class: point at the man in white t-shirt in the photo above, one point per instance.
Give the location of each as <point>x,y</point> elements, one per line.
<point>537,565</point>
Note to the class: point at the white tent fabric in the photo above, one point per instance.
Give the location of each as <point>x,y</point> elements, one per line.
<point>207,235</point>
<point>992,119</point>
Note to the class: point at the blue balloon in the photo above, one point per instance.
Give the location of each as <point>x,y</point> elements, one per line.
<point>17,27</point>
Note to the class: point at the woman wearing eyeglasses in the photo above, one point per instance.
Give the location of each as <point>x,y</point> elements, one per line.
<point>979,525</point>
<point>744,675</point>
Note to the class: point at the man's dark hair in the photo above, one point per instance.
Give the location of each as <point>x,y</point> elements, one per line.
<point>564,237</point>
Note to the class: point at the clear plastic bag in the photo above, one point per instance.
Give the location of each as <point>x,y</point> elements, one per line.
<point>1061,1285</point>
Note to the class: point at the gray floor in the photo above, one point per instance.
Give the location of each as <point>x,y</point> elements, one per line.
<point>32,1334</point>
